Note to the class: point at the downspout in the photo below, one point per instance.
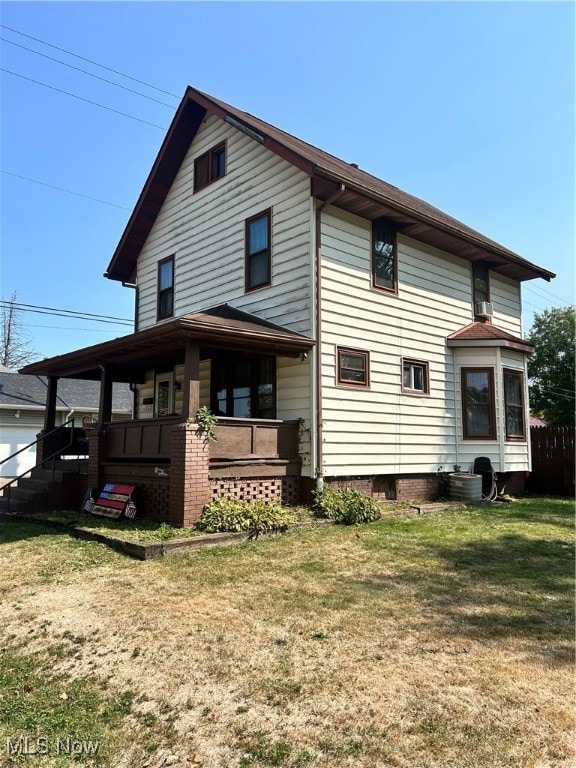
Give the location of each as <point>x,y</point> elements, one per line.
<point>318,471</point>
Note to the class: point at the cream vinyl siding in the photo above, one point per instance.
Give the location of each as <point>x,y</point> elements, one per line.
<point>205,232</point>
<point>505,298</point>
<point>381,430</point>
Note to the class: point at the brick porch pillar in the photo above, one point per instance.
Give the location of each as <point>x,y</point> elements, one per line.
<point>96,452</point>
<point>189,485</point>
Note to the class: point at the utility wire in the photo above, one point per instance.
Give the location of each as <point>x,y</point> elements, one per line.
<point>61,189</point>
<point>90,74</point>
<point>79,317</point>
<point>90,61</point>
<point>65,312</point>
<point>81,98</point>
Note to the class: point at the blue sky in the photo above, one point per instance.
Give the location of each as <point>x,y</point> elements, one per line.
<point>469,106</point>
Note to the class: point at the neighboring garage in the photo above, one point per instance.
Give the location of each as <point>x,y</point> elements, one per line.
<point>22,407</point>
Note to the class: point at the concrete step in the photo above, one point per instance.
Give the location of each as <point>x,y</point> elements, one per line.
<point>34,499</point>
<point>34,483</point>
<point>47,475</point>
<point>14,505</point>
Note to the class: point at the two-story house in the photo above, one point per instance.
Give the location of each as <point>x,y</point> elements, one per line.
<point>342,331</point>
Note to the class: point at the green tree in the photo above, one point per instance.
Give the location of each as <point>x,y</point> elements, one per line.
<point>551,369</point>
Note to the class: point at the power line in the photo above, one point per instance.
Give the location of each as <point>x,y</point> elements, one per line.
<point>81,98</point>
<point>90,74</point>
<point>66,313</point>
<point>90,61</point>
<point>61,189</point>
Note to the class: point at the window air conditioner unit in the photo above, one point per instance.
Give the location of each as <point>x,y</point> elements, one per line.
<point>483,309</point>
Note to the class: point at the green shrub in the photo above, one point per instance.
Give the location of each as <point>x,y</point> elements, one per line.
<point>349,506</point>
<point>255,516</point>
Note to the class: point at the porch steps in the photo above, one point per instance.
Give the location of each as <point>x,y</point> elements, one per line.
<point>38,492</point>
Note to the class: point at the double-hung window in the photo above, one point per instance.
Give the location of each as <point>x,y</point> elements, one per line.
<point>480,283</point>
<point>514,405</point>
<point>353,368</point>
<point>478,412</point>
<point>415,377</point>
<point>209,167</point>
<point>165,288</point>
<point>258,256</point>
<point>384,258</point>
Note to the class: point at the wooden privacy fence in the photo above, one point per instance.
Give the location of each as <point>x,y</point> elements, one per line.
<point>552,460</point>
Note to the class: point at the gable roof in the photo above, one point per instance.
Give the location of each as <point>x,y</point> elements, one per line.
<point>481,334</point>
<point>222,327</point>
<point>361,193</point>
<point>19,390</point>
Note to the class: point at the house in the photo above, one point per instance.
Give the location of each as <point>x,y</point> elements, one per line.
<point>342,330</point>
<point>22,414</point>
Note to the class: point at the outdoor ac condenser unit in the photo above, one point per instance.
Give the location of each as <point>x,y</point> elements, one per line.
<point>483,309</point>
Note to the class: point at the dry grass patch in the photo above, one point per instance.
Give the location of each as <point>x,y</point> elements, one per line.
<point>437,641</point>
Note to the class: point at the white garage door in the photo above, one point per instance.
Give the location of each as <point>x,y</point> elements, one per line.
<point>14,438</point>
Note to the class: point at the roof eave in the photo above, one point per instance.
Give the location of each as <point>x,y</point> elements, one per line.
<point>519,346</point>
<point>525,269</point>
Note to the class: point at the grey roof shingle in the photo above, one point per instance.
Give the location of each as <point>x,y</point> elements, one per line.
<point>17,389</point>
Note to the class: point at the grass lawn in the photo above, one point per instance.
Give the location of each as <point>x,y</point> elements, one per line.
<point>421,642</point>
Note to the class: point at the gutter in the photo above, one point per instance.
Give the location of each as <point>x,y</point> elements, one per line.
<point>318,470</point>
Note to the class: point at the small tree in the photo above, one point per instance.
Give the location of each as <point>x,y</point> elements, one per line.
<point>551,369</point>
<point>16,348</point>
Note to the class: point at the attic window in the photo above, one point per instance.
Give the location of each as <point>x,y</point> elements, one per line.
<point>209,167</point>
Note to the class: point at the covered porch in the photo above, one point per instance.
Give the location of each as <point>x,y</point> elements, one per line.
<point>179,365</point>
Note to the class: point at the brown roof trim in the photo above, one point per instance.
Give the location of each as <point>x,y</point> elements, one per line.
<point>368,196</point>
<point>164,343</point>
<point>479,334</point>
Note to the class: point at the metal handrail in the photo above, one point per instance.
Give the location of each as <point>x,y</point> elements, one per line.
<point>52,457</point>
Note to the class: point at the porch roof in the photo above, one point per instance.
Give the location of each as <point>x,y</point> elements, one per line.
<point>219,328</point>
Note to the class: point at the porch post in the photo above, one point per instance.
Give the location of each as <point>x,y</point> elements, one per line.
<point>105,406</point>
<point>52,394</point>
<point>45,447</point>
<point>191,393</point>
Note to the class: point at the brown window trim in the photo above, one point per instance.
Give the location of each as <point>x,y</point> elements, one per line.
<point>247,287</point>
<point>159,292</point>
<point>514,438</point>
<point>492,404</point>
<point>418,392</point>
<point>345,382</point>
<point>209,155</point>
<point>381,288</point>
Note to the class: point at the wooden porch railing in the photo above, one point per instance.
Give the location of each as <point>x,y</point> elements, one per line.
<point>236,439</point>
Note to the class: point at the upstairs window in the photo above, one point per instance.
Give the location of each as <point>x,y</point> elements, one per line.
<point>384,261</point>
<point>166,288</point>
<point>514,405</point>
<point>478,414</point>
<point>353,368</point>
<point>480,282</point>
<point>258,258</point>
<point>209,167</point>
<point>415,377</point>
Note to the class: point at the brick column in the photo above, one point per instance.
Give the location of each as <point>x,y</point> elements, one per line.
<point>96,448</point>
<point>189,486</point>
